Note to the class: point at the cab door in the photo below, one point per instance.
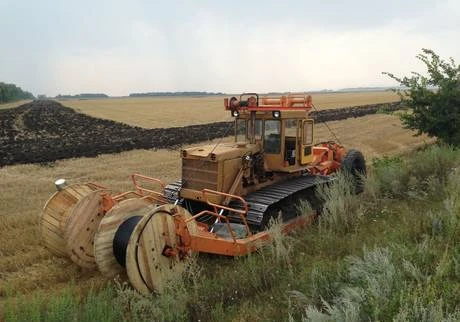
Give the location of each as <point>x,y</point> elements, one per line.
<point>306,141</point>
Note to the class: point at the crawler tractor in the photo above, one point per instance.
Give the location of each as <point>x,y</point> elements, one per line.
<point>222,205</point>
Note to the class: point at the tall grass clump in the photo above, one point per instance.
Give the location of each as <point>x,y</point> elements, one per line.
<point>372,280</point>
<point>445,222</point>
<point>389,177</point>
<point>63,307</point>
<point>420,311</point>
<point>23,309</point>
<point>281,246</point>
<point>100,306</point>
<point>451,203</point>
<point>341,208</point>
<point>419,175</point>
<point>436,161</point>
<point>377,288</point>
<point>169,305</point>
<point>66,305</point>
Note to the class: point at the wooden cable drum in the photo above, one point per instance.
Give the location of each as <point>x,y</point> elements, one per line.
<point>81,226</point>
<point>147,267</point>
<point>55,213</point>
<point>118,219</point>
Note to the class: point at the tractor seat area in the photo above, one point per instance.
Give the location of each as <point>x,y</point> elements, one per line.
<point>221,230</point>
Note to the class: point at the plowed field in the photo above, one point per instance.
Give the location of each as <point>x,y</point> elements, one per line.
<point>44,131</point>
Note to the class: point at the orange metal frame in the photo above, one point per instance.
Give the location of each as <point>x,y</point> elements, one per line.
<point>291,102</point>
<point>217,208</point>
<point>209,242</point>
<point>327,158</point>
<point>108,201</point>
<point>156,195</point>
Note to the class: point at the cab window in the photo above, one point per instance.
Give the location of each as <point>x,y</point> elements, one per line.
<point>307,137</point>
<point>272,136</point>
<point>291,128</point>
<point>290,140</point>
<point>240,130</point>
<point>258,124</point>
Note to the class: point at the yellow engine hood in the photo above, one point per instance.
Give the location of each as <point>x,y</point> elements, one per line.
<point>223,151</point>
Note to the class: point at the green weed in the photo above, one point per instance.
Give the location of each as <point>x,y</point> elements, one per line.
<point>341,210</point>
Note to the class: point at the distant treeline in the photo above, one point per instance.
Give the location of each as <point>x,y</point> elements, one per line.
<point>83,96</point>
<point>175,94</point>
<point>11,93</point>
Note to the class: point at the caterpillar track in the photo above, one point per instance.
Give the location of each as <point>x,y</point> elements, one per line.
<point>282,197</point>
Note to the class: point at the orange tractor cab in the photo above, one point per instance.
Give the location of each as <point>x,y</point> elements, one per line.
<point>222,204</point>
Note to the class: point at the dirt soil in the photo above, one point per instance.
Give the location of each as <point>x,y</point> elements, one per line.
<point>45,131</point>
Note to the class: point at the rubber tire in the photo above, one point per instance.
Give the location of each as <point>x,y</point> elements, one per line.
<point>355,164</point>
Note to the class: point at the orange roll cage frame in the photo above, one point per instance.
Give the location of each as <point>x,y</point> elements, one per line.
<point>289,102</point>
<point>208,242</point>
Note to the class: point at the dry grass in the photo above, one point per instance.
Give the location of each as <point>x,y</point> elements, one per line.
<point>13,104</point>
<point>154,112</point>
<point>26,266</point>
<point>180,111</point>
<point>375,135</point>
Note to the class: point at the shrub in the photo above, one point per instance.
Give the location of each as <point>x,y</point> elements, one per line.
<point>389,178</point>
<point>437,161</point>
<point>423,173</point>
<point>433,100</point>
<point>371,281</point>
<point>446,221</point>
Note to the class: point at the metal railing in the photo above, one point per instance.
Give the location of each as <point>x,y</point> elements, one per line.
<point>219,209</point>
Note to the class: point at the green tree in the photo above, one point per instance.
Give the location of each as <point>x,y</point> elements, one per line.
<point>433,100</point>
<point>11,92</point>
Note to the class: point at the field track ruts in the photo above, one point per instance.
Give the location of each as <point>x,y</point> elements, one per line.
<point>45,131</point>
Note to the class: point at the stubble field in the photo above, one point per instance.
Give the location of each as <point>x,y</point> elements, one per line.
<point>158,112</point>
<point>5,106</point>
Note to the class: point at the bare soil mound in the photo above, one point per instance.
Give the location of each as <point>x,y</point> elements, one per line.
<point>45,131</point>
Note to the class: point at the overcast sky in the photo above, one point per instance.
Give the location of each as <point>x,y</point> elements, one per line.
<point>120,47</point>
